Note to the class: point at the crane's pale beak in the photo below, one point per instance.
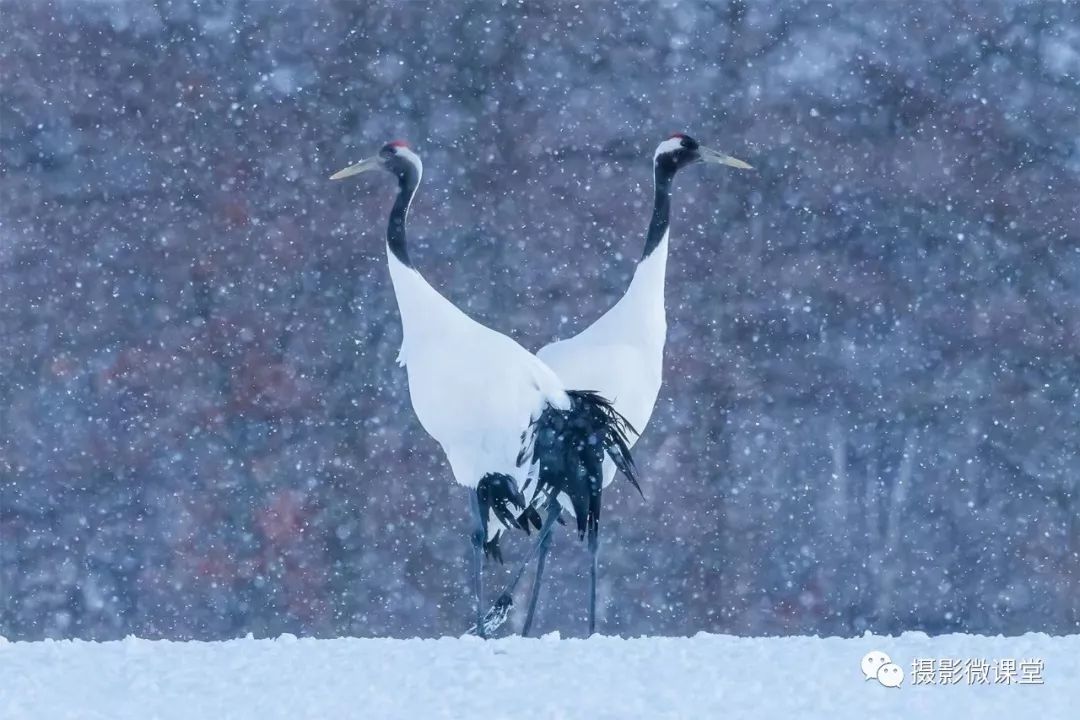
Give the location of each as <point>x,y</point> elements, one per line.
<point>712,156</point>
<point>371,163</point>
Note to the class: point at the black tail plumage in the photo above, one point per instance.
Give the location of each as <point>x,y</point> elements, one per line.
<point>570,446</point>
<point>498,493</point>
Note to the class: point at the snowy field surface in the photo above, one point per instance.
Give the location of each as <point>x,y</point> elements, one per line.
<point>704,676</point>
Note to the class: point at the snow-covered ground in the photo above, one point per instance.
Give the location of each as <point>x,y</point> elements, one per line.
<point>705,676</point>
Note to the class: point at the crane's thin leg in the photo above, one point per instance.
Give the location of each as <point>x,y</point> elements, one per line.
<point>594,547</point>
<point>554,509</point>
<point>479,534</point>
<point>500,611</point>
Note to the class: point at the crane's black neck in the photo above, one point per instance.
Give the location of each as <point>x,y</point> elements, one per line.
<point>663,176</point>
<point>408,180</point>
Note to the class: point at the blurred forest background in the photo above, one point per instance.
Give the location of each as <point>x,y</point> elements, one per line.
<point>869,417</point>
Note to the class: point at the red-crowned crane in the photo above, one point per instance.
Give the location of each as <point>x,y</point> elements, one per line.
<point>499,413</point>
<point>620,355</point>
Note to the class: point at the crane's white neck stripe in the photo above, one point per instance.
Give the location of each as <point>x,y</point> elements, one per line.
<point>413,159</point>
<point>669,145</point>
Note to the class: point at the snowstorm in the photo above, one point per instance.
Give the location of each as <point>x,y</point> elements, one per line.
<point>868,415</point>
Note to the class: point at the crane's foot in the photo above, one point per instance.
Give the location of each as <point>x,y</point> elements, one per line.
<point>496,616</point>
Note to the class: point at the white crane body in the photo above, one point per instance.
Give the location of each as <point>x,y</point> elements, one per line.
<point>474,390</point>
<point>501,416</point>
<point>621,355</point>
